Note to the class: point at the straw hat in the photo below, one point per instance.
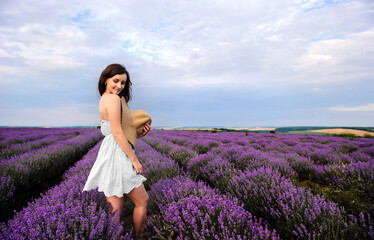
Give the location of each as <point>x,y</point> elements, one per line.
<point>139,118</point>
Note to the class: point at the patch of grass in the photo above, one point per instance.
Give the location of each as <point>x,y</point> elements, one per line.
<point>348,135</point>
<point>351,200</point>
<point>366,135</point>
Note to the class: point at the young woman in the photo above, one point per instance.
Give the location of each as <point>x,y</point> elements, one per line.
<point>117,170</point>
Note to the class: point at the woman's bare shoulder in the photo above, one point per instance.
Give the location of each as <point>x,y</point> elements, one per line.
<point>110,97</point>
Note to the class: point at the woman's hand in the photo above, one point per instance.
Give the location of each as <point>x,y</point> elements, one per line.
<point>146,129</point>
<point>138,167</point>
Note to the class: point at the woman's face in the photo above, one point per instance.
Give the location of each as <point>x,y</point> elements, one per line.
<point>116,83</point>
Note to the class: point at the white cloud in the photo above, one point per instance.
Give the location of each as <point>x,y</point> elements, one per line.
<point>314,61</point>
<point>272,42</point>
<point>336,60</point>
<point>364,108</point>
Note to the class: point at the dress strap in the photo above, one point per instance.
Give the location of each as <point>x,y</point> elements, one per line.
<point>102,103</point>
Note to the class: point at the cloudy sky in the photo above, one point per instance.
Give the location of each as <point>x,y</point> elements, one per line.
<point>192,63</point>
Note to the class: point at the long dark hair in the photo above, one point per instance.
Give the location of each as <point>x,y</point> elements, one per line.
<point>110,71</point>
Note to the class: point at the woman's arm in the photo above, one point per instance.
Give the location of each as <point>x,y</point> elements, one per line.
<point>113,106</point>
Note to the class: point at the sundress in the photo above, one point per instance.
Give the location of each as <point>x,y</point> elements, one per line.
<point>112,172</point>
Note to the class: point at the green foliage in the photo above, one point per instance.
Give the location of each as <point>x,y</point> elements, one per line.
<point>162,147</point>
<point>204,147</point>
<point>182,156</point>
<point>304,169</point>
<point>366,135</point>
<point>156,174</point>
<point>350,136</point>
<point>352,200</point>
<point>301,128</point>
<point>212,170</point>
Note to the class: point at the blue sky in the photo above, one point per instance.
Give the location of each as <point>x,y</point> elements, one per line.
<point>192,63</point>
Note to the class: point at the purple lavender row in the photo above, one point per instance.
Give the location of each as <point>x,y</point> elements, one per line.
<point>358,176</point>
<point>14,132</point>
<point>155,164</point>
<point>354,175</point>
<point>181,211</point>
<point>176,152</point>
<point>191,210</point>
<point>31,170</point>
<point>244,158</point>
<point>199,145</point>
<point>46,150</point>
<point>20,135</point>
<point>241,157</point>
<point>336,153</point>
<point>64,212</point>
<point>293,211</point>
<point>286,143</point>
<point>327,166</point>
<point>180,154</point>
<point>175,137</point>
<point>19,148</point>
<point>159,144</point>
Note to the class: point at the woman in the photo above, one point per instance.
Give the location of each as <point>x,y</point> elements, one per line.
<point>117,170</point>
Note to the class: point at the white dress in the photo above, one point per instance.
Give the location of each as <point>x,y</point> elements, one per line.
<point>112,172</point>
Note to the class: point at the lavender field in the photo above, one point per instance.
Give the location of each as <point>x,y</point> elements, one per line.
<point>30,158</point>
<point>202,185</point>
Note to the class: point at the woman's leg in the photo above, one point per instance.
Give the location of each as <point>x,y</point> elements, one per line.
<point>140,198</point>
<point>117,205</point>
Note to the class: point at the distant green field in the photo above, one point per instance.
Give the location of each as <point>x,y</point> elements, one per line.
<point>306,132</point>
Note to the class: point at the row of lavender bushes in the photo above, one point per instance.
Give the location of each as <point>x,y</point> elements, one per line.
<point>64,212</point>
<point>22,174</point>
<point>292,210</point>
<point>183,209</point>
<point>25,144</point>
<point>20,135</point>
